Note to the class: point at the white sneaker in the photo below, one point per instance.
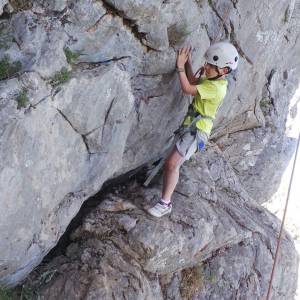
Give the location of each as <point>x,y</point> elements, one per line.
<point>160,209</point>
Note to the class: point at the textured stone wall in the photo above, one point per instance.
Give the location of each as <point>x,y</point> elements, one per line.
<point>217,243</point>
<point>116,100</point>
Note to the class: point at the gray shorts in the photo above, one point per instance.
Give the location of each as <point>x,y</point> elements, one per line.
<point>187,144</point>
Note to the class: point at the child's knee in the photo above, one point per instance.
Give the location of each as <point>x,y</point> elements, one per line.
<point>171,165</point>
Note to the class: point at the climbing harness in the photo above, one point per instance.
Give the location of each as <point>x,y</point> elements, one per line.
<point>171,142</point>
<point>282,222</point>
<point>195,117</point>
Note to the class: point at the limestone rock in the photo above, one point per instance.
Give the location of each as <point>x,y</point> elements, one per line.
<point>44,139</point>
<point>32,33</point>
<point>2,4</point>
<point>56,5</point>
<point>120,105</point>
<point>226,247</point>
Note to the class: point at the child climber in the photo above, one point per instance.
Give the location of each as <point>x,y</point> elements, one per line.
<point>221,58</point>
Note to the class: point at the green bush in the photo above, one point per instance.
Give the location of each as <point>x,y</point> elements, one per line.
<point>265,103</point>
<point>8,68</point>
<point>19,293</point>
<point>22,99</point>
<point>61,77</point>
<point>71,56</point>
<point>5,294</point>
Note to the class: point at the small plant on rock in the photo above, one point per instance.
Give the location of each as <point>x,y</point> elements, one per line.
<point>265,104</point>
<point>191,282</point>
<point>8,68</point>
<point>20,5</point>
<point>71,56</point>
<point>22,99</point>
<point>5,294</point>
<point>60,77</point>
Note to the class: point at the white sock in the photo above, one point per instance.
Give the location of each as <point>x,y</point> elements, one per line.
<point>165,201</point>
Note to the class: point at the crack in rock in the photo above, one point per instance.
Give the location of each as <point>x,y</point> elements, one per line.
<point>205,26</point>
<point>99,63</point>
<point>219,17</point>
<point>93,28</point>
<point>49,13</point>
<point>108,110</point>
<point>91,131</point>
<point>106,116</point>
<point>82,135</point>
<point>34,106</point>
<point>237,45</point>
<point>234,3</point>
<point>269,93</point>
<point>259,116</point>
<point>128,23</point>
<point>269,79</point>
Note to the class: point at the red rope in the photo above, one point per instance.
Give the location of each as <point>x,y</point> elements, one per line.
<point>224,19</point>
<point>282,223</point>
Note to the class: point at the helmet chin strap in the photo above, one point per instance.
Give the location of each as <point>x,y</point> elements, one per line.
<point>220,75</point>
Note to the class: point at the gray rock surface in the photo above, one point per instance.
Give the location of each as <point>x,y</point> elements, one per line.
<point>119,107</point>
<point>56,5</point>
<point>223,233</point>
<point>49,140</point>
<point>2,4</point>
<point>32,33</point>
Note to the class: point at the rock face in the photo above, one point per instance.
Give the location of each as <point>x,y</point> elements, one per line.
<point>31,159</point>
<point>2,4</point>
<point>62,139</point>
<point>220,239</point>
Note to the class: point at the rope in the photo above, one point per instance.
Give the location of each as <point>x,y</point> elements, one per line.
<point>224,19</point>
<point>282,223</point>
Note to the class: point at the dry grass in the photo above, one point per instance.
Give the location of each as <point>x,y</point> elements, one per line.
<point>19,5</point>
<point>191,282</point>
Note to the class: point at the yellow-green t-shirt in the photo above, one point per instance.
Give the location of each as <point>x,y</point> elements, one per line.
<point>206,102</point>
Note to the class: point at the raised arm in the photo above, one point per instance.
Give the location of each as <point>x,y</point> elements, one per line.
<point>186,86</point>
<point>189,73</point>
<point>189,69</point>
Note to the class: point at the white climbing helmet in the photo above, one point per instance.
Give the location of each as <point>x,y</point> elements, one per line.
<point>222,54</point>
